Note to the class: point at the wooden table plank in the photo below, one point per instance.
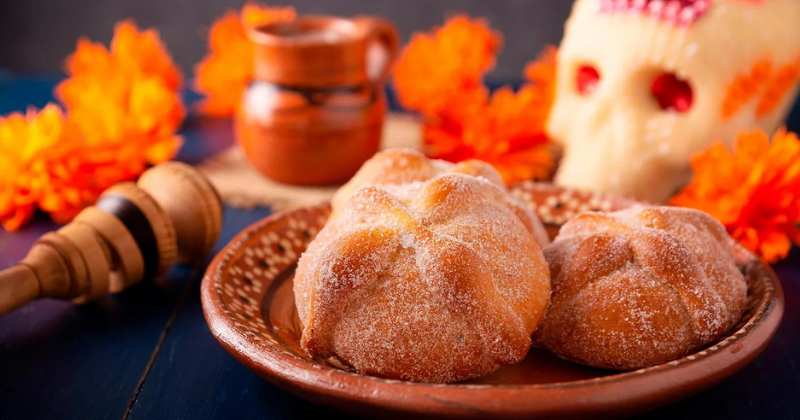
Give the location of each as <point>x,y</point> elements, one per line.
<point>58,360</point>
<point>194,377</point>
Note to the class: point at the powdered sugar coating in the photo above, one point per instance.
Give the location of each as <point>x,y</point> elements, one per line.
<point>402,166</point>
<point>639,287</point>
<point>432,281</point>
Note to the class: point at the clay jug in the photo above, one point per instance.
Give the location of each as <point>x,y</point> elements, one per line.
<point>314,112</point>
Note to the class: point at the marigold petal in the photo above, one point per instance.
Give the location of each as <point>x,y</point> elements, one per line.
<point>163,150</point>
<point>123,110</point>
<point>462,121</point>
<point>754,190</point>
<point>434,68</point>
<point>143,54</point>
<point>18,218</point>
<point>224,73</point>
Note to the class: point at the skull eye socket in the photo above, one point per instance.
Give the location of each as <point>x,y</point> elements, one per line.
<point>586,80</point>
<point>672,92</point>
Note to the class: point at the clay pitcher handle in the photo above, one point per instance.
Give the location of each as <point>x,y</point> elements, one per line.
<point>383,31</point>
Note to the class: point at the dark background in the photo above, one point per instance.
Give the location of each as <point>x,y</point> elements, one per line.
<point>36,35</point>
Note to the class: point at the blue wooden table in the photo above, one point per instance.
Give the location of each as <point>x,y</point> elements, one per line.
<point>147,353</point>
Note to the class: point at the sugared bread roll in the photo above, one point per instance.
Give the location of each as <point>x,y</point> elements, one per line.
<point>433,281</point>
<point>640,287</point>
<point>400,166</point>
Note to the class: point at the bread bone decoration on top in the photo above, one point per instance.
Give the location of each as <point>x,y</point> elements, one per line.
<point>400,166</point>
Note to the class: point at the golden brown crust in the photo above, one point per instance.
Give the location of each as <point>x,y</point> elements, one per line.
<point>433,281</point>
<point>402,166</point>
<point>640,287</point>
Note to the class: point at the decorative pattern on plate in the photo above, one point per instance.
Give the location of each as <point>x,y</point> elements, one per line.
<point>252,270</point>
<point>556,205</point>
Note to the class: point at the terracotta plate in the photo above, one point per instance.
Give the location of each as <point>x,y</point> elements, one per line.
<point>249,305</point>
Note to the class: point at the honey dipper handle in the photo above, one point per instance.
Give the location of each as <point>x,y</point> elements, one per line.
<point>18,286</point>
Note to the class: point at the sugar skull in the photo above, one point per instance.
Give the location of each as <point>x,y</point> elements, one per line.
<point>644,84</point>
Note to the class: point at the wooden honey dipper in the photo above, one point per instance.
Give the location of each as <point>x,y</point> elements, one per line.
<point>134,231</point>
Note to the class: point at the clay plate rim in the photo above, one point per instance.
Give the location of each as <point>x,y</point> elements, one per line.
<point>638,390</point>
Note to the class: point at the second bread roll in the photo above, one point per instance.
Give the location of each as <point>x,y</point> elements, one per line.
<point>640,287</point>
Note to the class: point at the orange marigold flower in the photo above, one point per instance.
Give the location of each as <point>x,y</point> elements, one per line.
<point>133,55</point>
<point>502,131</point>
<point>754,191</point>
<point>435,69</point>
<point>123,109</point>
<point>463,121</point>
<point>441,74</point>
<point>43,163</point>
<point>125,98</point>
<point>143,53</point>
<point>227,69</point>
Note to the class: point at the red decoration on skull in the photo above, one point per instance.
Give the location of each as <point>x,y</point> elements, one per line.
<point>679,12</point>
<point>672,93</point>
